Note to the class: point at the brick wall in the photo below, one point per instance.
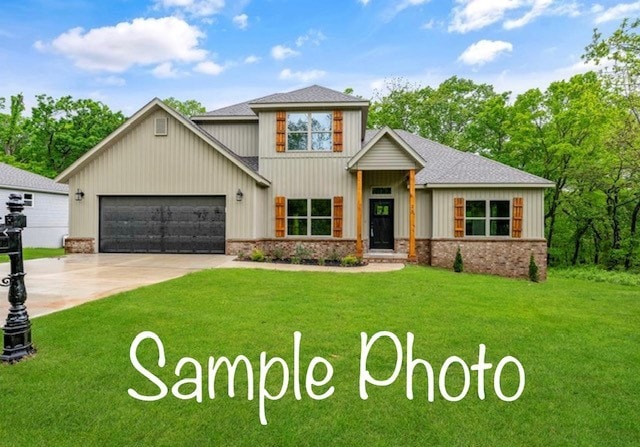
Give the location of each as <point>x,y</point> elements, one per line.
<point>79,245</point>
<point>287,247</point>
<point>423,249</point>
<point>498,257</point>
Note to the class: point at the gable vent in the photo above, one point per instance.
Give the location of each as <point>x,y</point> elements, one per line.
<point>161,127</point>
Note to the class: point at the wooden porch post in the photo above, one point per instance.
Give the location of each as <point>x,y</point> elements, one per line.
<point>412,214</point>
<point>359,250</point>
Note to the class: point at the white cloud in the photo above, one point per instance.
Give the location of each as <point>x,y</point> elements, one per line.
<point>241,21</point>
<point>115,81</point>
<point>484,51</point>
<point>40,45</point>
<point>596,8</point>
<point>364,2</point>
<point>428,24</point>
<point>165,70</point>
<point>209,68</point>
<point>304,76</point>
<point>538,8</point>
<point>252,59</point>
<point>280,52</point>
<point>140,42</point>
<point>312,36</point>
<point>198,8</point>
<point>616,12</point>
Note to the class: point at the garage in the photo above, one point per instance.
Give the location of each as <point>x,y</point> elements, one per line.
<point>162,224</point>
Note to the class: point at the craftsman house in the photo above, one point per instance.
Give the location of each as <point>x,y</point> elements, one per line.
<point>300,169</point>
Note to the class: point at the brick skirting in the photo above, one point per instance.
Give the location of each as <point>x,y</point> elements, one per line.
<point>498,257</point>
<point>326,249</point>
<point>79,245</point>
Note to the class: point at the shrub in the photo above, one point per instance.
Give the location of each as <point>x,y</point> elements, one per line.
<point>278,253</point>
<point>458,265</point>
<point>295,260</point>
<point>242,255</point>
<point>349,261</point>
<point>257,255</point>
<point>534,275</point>
<point>321,261</point>
<point>301,252</point>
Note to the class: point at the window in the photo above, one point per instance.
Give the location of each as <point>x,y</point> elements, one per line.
<point>309,217</point>
<point>309,131</point>
<point>487,218</point>
<point>28,199</point>
<point>381,190</point>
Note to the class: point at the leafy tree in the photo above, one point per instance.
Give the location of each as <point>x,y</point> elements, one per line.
<point>12,125</point>
<point>188,108</point>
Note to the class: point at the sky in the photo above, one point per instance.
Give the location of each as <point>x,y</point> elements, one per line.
<point>220,52</point>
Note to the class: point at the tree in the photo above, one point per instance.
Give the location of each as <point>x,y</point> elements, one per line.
<point>188,108</point>
<point>12,125</point>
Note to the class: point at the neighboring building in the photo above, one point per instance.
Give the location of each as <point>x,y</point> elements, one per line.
<point>301,168</point>
<point>46,205</point>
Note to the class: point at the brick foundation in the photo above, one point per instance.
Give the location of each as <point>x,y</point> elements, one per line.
<point>286,248</point>
<point>79,245</point>
<point>423,249</point>
<point>497,257</point>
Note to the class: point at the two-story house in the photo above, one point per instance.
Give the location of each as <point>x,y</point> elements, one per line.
<point>300,169</point>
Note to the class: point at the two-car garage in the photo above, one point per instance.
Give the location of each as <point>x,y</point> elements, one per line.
<point>162,224</point>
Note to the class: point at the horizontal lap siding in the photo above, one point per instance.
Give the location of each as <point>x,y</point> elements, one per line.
<point>178,164</point>
<point>242,138</point>
<point>533,221</point>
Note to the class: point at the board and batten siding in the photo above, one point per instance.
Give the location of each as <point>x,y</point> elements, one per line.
<point>533,213</point>
<point>242,138</point>
<point>47,219</point>
<point>180,163</point>
<point>386,154</point>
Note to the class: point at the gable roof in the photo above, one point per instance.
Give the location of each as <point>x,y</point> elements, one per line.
<point>235,111</point>
<point>141,114</point>
<point>449,167</point>
<point>375,138</point>
<point>312,94</point>
<point>19,179</point>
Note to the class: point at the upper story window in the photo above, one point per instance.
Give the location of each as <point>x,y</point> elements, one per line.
<point>487,218</point>
<point>309,131</point>
<point>28,199</point>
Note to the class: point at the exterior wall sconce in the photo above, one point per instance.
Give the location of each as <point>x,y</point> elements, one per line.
<point>239,195</point>
<point>79,195</point>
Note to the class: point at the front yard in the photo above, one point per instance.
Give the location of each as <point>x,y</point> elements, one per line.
<point>578,342</point>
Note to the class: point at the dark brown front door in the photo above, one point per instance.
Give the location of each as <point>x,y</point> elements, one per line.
<point>381,223</point>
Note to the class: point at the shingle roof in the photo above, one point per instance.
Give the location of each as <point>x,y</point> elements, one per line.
<point>315,93</point>
<point>241,109</point>
<point>12,177</point>
<point>445,165</point>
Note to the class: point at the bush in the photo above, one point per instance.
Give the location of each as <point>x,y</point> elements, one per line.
<point>301,252</point>
<point>333,255</point>
<point>295,260</point>
<point>321,261</point>
<point>458,265</point>
<point>278,253</point>
<point>242,255</point>
<point>257,255</point>
<point>349,261</point>
<point>534,275</point>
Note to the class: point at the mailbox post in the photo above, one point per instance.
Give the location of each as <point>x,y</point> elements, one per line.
<point>17,330</point>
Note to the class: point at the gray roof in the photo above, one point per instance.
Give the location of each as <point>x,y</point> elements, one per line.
<point>12,177</point>
<point>241,109</point>
<point>445,165</point>
<point>249,162</point>
<point>312,94</point>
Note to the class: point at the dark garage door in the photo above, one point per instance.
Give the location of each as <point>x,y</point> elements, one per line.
<point>138,224</point>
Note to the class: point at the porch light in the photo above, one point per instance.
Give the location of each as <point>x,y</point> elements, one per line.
<point>239,195</point>
<point>79,195</point>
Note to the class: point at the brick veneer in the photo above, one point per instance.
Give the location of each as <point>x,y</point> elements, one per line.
<point>318,248</point>
<point>79,245</point>
<point>495,256</point>
<point>423,249</point>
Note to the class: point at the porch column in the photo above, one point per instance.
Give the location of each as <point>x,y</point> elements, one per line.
<point>412,214</point>
<point>359,250</point>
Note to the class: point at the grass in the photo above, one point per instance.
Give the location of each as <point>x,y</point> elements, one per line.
<point>578,342</point>
<point>598,274</point>
<point>36,253</point>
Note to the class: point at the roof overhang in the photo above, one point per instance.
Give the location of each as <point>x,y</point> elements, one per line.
<point>386,131</point>
<point>224,118</point>
<point>138,116</point>
<point>484,185</point>
<point>32,189</point>
<point>309,105</point>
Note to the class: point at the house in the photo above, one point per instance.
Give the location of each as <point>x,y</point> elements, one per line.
<point>46,205</point>
<point>301,169</point>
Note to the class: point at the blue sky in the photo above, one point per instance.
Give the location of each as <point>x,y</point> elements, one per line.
<point>125,52</point>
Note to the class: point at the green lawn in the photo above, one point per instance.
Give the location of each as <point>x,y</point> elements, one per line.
<point>36,253</point>
<point>578,341</point>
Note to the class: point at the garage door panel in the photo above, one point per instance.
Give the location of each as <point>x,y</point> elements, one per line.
<point>162,224</point>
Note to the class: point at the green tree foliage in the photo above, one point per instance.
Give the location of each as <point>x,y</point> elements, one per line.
<point>11,125</point>
<point>188,108</point>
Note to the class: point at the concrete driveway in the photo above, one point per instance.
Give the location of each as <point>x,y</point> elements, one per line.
<point>60,283</point>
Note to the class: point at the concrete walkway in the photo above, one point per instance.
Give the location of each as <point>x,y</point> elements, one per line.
<point>60,283</point>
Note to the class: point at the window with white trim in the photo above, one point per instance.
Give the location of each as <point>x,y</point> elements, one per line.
<point>309,217</point>
<point>28,199</point>
<point>309,131</point>
<point>487,218</point>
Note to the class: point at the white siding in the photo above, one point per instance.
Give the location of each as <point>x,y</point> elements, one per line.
<point>242,138</point>
<point>181,163</point>
<point>47,220</point>
<point>533,212</point>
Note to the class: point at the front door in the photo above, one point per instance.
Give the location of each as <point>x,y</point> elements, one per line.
<point>381,223</point>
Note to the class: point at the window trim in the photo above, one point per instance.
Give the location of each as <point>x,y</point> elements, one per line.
<point>487,218</point>
<point>309,132</point>
<point>32,199</point>
<point>309,218</point>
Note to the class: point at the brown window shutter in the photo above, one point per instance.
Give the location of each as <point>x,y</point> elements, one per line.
<point>516,218</point>
<point>337,216</point>
<point>280,216</point>
<point>337,131</point>
<point>458,217</point>
<point>281,131</point>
